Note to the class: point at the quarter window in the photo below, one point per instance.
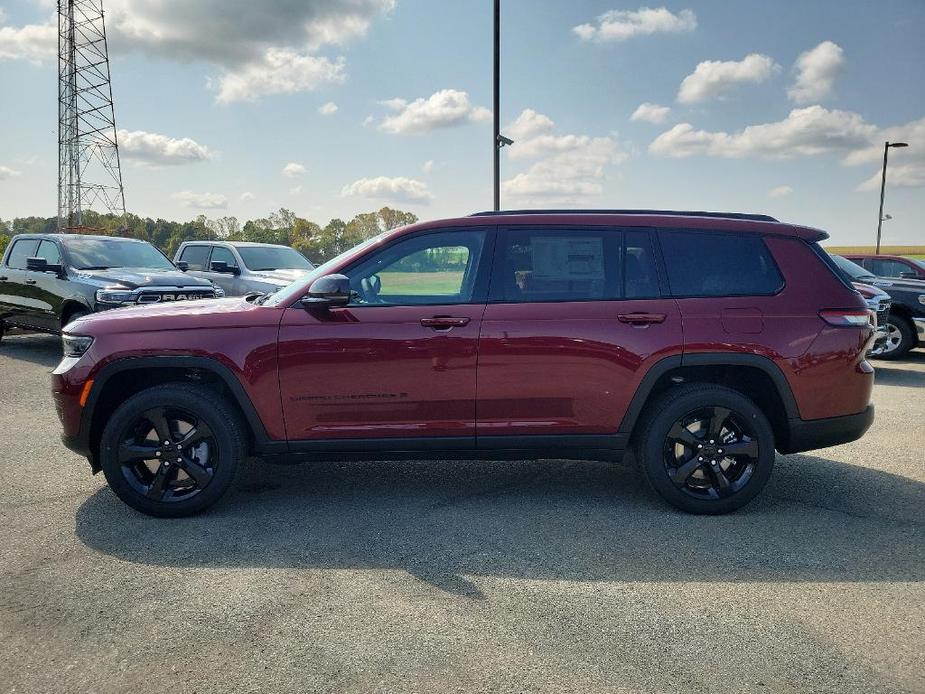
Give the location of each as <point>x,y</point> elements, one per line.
<point>718,264</point>
<point>438,268</point>
<point>195,256</point>
<point>21,250</point>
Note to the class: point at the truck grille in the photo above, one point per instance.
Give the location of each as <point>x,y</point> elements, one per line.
<point>883,311</point>
<point>156,297</point>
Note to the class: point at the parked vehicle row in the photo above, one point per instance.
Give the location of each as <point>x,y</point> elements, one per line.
<point>701,341</point>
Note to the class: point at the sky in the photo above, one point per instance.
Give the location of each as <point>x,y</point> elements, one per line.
<point>334,107</point>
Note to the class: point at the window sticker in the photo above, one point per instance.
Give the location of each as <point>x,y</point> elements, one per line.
<point>568,257</point>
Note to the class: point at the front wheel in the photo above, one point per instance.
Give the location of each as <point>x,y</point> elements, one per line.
<point>706,449</point>
<point>900,338</point>
<point>172,450</point>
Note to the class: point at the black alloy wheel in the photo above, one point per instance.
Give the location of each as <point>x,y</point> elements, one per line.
<point>172,450</point>
<point>705,448</point>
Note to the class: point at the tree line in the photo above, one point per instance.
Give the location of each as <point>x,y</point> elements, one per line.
<point>284,227</point>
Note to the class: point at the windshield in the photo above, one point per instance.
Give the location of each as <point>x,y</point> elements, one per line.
<point>853,270</point>
<point>291,290</point>
<point>259,258</point>
<point>100,254</point>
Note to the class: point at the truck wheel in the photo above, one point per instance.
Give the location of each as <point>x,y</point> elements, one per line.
<point>172,450</point>
<point>705,448</point>
<point>900,338</point>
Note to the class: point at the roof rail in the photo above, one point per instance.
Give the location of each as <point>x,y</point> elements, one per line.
<point>667,213</point>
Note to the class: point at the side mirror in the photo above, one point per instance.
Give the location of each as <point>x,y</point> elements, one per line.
<point>909,275</point>
<point>182,265</point>
<point>42,265</point>
<point>222,266</point>
<point>329,291</point>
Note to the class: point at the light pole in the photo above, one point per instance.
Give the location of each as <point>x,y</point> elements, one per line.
<point>886,151</point>
<point>496,107</point>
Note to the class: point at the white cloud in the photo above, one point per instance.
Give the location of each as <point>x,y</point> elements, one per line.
<point>570,168</point>
<point>780,191</point>
<point>258,48</point>
<point>897,176</point>
<point>160,150</point>
<point>619,25</point>
<point>6,172</point>
<point>201,201</point>
<point>328,109</point>
<point>443,109</point>
<point>279,71</point>
<point>247,196</point>
<point>651,113</point>
<point>712,78</point>
<point>805,131</point>
<point>293,170</point>
<point>906,167</point>
<point>36,43</point>
<point>399,189</point>
<point>816,71</point>
<point>427,166</point>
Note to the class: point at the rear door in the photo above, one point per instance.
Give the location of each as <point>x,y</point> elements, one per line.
<point>576,317</point>
<point>17,299</point>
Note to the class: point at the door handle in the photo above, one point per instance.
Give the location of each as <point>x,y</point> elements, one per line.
<point>444,322</point>
<point>641,318</point>
<point>4,278</point>
<point>30,281</point>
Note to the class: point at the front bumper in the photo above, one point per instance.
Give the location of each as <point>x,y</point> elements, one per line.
<point>920,329</point>
<point>810,434</point>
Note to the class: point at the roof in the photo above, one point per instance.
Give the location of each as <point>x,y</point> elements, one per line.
<point>703,221</point>
<point>235,244</point>
<point>96,237</point>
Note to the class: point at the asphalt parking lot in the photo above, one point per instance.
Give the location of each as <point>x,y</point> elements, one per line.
<point>453,576</point>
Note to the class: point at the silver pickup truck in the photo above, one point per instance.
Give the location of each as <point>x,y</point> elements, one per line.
<point>242,268</point>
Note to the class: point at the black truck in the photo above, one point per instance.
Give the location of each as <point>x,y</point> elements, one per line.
<point>49,280</point>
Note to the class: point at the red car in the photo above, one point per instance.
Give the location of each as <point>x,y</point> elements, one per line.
<point>897,266</point>
<point>701,341</point>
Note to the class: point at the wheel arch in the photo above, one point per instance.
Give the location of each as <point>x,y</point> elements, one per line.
<point>70,307</point>
<point>753,375</point>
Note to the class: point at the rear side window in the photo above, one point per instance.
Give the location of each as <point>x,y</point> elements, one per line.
<point>640,276</point>
<point>195,256</point>
<point>718,264</point>
<point>22,249</point>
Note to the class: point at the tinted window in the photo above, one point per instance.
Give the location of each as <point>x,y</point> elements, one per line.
<point>884,267</point>
<point>96,254</point>
<point>22,249</point>
<point>717,264</point>
<point>559,265</point>
<point>852,270</point>
<point>195,256</point>
<point>436,268</point>
<point>269,258</point>
<point>640,276</point>
<point>222,255</point>
<point>49,251</point>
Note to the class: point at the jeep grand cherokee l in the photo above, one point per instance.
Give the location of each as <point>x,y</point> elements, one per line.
<point>702,341</point>
<point>49,280</point>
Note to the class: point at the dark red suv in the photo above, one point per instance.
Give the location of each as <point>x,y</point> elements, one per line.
<point>701,341</point>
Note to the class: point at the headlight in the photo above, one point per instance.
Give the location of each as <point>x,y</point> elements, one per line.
<point>115,296</point>
<point>922,299</point>
<point>75,345</point>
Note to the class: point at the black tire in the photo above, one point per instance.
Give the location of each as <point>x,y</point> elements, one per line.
<point>163,480</point>
<point>2,329</point>
<point>73,316</point>
<point>677,429</point>
<point>900,339</point>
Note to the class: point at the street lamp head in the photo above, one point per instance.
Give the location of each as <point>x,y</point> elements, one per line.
<point>897,144</point>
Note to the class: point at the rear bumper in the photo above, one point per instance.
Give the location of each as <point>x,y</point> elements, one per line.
<point>809,434</point>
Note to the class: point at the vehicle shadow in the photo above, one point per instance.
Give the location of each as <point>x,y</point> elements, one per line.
<point>36,348</point>
<point>821,520</point>
<point>893,373</point>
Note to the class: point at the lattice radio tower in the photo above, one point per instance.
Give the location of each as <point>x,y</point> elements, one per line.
<point>89,175</point>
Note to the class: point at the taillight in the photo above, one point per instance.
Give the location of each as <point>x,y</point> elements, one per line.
<point>848,319</point>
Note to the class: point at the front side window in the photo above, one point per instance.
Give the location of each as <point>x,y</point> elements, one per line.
<point>20,252</point>
<point>222,255</point>
<point>718,264</point>
<point>49,251</point>
<point>439,268</point>
<point>536,265</point>
<point>885,267</point>
<point>195,257</point>
<point>99,254</point>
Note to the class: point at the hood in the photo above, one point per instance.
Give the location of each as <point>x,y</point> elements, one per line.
<point>184,315</point>
<point>134,277</point>
<point>281,277</point>
<point>888,283</point>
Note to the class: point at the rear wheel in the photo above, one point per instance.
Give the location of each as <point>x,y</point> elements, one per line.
<point>706,449</point>
<point>171,450</point>
<point>900,338</point>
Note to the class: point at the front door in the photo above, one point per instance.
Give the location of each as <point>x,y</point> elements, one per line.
<point>575,318</point>
<point>400,361</point>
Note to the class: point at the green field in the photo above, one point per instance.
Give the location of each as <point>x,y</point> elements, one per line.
<point>417,283</point>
